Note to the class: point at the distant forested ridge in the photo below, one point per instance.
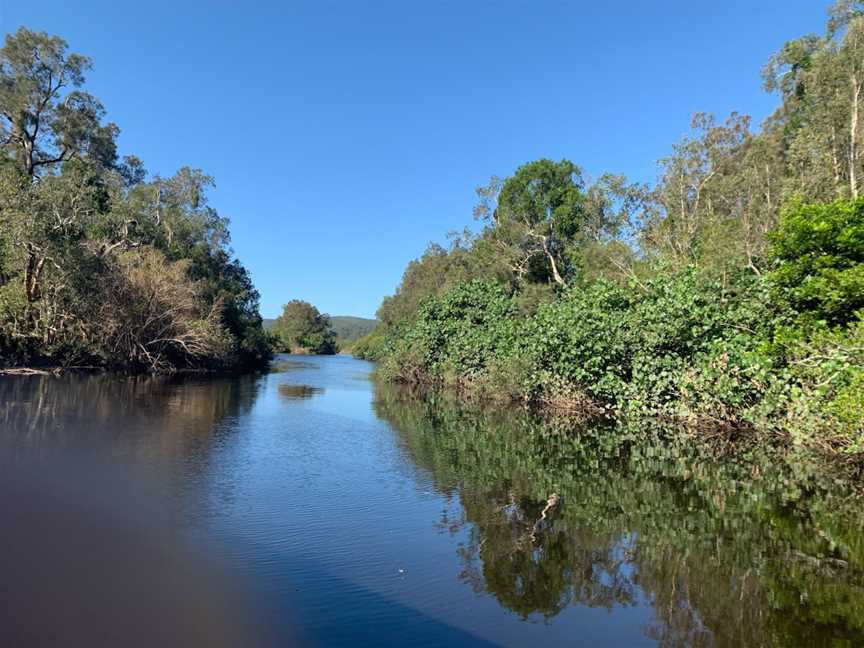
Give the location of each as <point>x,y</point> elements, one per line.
<point>101,263</point>
<point>351,329</point>
<point>730,293</point>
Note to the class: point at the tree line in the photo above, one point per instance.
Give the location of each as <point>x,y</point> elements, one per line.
<point>731,291</point>
<point>102,263</point>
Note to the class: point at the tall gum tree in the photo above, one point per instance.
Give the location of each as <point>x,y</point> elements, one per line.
<point>821,82</point>
<point>534,213</point>
<point>45,119</point>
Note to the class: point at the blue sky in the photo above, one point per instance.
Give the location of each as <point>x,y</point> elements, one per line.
<point>345,136</point>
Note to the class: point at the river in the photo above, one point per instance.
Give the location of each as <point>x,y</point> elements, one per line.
<point>310,507</point>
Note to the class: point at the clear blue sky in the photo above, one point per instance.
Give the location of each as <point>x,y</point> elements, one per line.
<point>344,136</point>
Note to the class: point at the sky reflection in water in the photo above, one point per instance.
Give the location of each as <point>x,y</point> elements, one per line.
<point>323,511</point>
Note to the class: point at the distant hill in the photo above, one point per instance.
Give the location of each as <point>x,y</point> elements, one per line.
<point>346,327</point>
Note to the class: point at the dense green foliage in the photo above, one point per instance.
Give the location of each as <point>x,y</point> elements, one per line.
<point>729,293</point>
<point>302,329</point>
<point>98,264</point>
<point>539,209</point>
<point>820,253</point>
<point>627,348</point>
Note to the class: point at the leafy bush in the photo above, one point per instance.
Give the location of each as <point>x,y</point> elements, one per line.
<point>302,328</point>
<point>827,399</point>
<point>818,253</point>
<point>456,336</point>
<point>681,345</point>
<point>372,346</point>
<point>581,340</point>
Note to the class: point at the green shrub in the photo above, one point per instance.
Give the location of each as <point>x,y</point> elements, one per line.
<point>581,339</point>
<point>372,346</point>
<point>827,399</point>
<point>818,257</point>
<point>456,336</point>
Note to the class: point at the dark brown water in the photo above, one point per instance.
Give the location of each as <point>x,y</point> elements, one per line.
<point>308,507</point>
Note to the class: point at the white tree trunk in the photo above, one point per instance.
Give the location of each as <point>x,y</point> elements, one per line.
<point>853,136</point>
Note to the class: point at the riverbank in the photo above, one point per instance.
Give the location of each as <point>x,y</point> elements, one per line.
<point>728,293</point>
<point>688,348</point>
<point>707,435</point>
<point>58,370</point>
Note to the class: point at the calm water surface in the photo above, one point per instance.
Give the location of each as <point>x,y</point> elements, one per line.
<point>307,507</point>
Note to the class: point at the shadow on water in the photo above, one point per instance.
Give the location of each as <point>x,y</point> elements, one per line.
<point>88,560</point>
<point>368,618</point>
<point>90,553</point>
<point>750,550</point>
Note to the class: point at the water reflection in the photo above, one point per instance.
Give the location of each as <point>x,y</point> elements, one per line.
<point>454,524</point>
<point>284,364</point>
<point>755,552</point>
<point>58,410</point>
<point>299,392</point>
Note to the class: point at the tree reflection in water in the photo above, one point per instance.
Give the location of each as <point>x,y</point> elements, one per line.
<point>146,411</point>
<point>299,392</point>
<point>754,548</point>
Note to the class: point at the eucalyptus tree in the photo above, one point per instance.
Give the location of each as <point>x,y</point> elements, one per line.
<point>821,82</point>
<point>45,118</point>
<point>847,17</point>
<point>722,187</point>
<point>533,215</point>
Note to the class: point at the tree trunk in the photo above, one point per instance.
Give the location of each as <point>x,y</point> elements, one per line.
<point>32,277</point>
<point>27,146</point>
<point>555,274</point>
<point>853,136</point>
<point>838,187</point>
